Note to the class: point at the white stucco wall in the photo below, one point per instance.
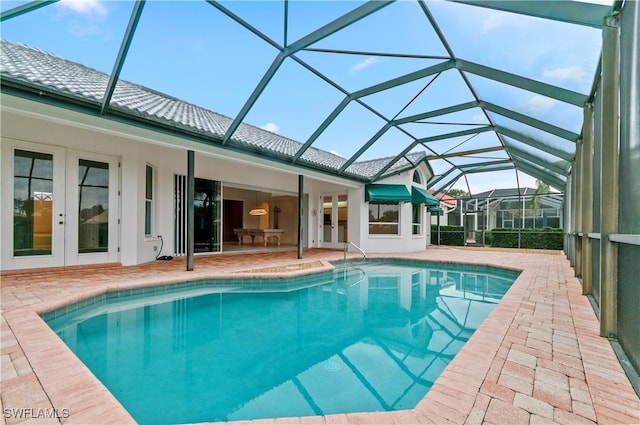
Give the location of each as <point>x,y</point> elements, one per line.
<point>34,125</point>
<point>34,129</point>
<point>405,241</point>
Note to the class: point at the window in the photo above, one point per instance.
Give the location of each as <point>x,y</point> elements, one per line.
<point>384,218</point>
<point>416,220</point>
<point>417,178</point>
<point>148,201</point>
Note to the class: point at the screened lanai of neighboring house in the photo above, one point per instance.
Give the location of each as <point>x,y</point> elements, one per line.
<point>495,93</point>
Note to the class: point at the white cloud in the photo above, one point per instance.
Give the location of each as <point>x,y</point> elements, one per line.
<point>496,20</point>
<point>92,8</point>
<point>270,127</point>
<point>364,64</point>
<point>539,103</point>
<point>573,73</point>
<point>336,153</point>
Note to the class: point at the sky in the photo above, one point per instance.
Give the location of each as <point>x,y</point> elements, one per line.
<point>192,51</point>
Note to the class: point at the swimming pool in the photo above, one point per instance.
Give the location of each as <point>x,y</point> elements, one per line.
<point>368,337</point>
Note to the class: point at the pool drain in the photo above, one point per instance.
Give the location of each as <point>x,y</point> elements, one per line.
<point>332,367</point>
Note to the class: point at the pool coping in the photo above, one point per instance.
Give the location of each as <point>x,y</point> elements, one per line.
<point>455,396</point>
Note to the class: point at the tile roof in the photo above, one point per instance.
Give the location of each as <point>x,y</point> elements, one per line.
<point>443,197</point>
<point>36,69</point>
<point>505,193</point>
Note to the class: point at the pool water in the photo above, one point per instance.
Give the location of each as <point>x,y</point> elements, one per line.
<point>368,337</point>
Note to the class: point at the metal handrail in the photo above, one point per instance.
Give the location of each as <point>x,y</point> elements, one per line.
<point>346,248</point>
<point>346,265</point>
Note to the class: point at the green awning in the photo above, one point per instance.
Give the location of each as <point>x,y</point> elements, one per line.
<point>435,209</point>
<point>421,196</point>
<point>386,193</point>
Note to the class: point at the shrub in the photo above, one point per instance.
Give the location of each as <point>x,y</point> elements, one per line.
<point>487,237</point>
<point>545,238</point>
<point>449,235</point>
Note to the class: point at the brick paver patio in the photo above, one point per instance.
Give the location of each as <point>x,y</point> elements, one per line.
<point>536,359</point>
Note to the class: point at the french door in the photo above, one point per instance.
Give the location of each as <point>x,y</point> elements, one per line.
<point>334,225</point>
<point>62,207</point>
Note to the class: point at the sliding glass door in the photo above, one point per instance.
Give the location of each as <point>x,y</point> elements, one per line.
<point>207,215</point>
<point>207,211</point>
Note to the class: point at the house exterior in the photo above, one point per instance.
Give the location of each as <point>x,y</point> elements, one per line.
<point>448,204</point>
<point>81,185</point>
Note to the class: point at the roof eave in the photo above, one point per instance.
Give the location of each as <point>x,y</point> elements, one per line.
<point>41,94</point>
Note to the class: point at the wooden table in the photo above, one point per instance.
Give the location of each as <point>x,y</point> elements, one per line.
<point>264,233</point>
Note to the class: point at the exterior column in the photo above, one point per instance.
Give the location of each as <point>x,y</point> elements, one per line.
<point>629,213</point>
<point>587,197</point>
<point>300,213</point>
<point>578,225</point>
<point>609,178</point>
<point>191,187</point>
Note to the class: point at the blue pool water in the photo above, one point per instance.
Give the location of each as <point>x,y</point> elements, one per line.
<point>370,337</point>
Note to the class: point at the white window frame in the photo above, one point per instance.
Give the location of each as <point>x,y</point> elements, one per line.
<point>420,224</point>
<point>149,202</point>
<point>385,223</point>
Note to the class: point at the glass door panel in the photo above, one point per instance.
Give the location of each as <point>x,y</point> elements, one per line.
<point>334,220</point>
<point>327,218</point>
<point>93,206</point>
<point>207,213</point>
<point>342,219</point>
<point>32,203</point>
<point>92,230</point>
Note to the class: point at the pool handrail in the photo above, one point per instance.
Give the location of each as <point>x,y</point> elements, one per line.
<point>346,248</point>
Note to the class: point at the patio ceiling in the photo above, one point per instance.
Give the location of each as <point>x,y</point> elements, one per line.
<point>473,110</point>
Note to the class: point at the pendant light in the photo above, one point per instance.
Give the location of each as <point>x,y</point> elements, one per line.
<point>258,210</point>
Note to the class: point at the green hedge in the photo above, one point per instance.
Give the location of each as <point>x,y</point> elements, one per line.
<point>449,235</point>
<point>487,237</point>
<point>545,238</point>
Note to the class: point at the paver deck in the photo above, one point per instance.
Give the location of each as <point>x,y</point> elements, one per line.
<point>536,359</point>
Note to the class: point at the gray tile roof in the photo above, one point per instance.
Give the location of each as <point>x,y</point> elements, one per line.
<point>373,166</point>
<point>505,193</point>
<point>36,69</point>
